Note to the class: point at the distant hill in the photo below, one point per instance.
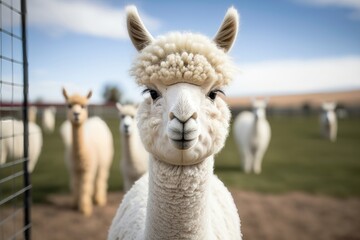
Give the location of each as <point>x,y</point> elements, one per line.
<point>347,98</point>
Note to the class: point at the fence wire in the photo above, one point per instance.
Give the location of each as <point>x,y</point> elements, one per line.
<point>14,177</point>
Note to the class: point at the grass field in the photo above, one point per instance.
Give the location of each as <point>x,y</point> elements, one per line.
<point>297,160</point>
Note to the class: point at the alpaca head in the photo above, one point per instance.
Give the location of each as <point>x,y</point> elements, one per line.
<point>77,112</point>
<point>259,107</point>
<point>127,118</point>
<point>328,106</point>
<point>183,119</point>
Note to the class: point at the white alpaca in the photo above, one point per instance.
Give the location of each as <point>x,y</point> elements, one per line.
<point>134,158</point>
<point>12,141</point>
<point>48,119</point>
<point>182,124</point>
<point>252,134</point>
<point>88,153</point>
<point>328,121</point>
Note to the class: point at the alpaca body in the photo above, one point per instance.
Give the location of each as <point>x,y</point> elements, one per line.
<point>88,154</point>
<point>202,205</point>
<point>252,135</point>
<point>328,122</point>
<point>12,141</point>
<point>48,119</point>
<point>134,157</point>
<point>97,140</point>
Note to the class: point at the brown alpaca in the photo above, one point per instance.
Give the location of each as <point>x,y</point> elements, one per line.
<point>89,153</point>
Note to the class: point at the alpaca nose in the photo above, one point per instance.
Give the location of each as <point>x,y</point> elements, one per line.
<point>183,131</point>
<point>76,114</point>
<point>183,118</point>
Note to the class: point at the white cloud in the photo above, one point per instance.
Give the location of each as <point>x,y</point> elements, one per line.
<point>297,76</point>
<point>353,5</point>
<point>83,17</point>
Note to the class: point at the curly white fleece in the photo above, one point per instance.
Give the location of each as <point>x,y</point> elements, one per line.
<point>177,202</point>
<point>183,57</point>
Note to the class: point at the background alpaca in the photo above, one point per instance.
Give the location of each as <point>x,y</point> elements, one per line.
<point>134,158</point>
<point>328,121</point>
<point>252,134</point>
<point>12,141</point>
<point>48,119</point>
<point>88,153</point>
<point>182,124</point>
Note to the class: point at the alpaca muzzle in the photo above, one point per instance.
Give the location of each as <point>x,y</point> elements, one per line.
<point>183,135</point>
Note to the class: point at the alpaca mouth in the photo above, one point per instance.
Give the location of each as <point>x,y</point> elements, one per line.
<point>76,119</point>
<point>183,144</point>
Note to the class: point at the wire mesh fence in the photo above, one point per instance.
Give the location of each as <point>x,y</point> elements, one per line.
<point>14,177</point>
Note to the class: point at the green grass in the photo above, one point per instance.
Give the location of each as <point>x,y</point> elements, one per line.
<point>297,160</point>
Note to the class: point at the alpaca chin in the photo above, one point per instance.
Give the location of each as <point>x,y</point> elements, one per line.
<point>183,144</point>
<point>170,154</point>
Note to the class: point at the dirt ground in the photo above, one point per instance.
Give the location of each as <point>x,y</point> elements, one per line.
<point>291,216</point>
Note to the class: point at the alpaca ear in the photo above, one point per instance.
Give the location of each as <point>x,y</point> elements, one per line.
<point>64,92</point>
<point>138,34</point>
<point>226,35</point>
<point>88,96</point>
<point>119,106</point>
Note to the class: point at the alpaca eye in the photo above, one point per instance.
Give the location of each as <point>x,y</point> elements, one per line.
<point>69,106</point>
<point>154,95</point>
<point>82,106</point>
<point>212,94</point>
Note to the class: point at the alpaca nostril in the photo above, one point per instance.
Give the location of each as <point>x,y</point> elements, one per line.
<point>171,115</point>
<point>194,116</point>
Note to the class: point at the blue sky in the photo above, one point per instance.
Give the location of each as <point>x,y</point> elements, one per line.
<point>284,46</point>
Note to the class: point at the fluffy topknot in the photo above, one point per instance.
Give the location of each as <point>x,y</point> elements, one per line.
<point>183,57</point>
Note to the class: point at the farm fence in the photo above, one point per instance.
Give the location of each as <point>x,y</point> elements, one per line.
<point>15,186</point>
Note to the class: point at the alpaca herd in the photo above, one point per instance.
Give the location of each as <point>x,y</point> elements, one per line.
<point>168,141</point>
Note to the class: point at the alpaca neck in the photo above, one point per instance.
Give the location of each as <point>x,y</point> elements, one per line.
<point>130,148</point>
<point>255,128</point>
<point>178,203</point>
<point>255,135</point>
<point>79,151</point>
